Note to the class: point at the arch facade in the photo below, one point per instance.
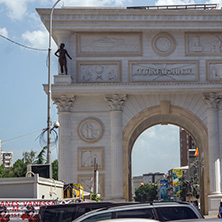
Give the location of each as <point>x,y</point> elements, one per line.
<point>133,68</point>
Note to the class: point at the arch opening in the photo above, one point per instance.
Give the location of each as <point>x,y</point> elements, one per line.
<point>160,152</point>
<point>179,117</point>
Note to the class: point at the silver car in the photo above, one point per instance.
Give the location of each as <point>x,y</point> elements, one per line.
<point>162,211</point>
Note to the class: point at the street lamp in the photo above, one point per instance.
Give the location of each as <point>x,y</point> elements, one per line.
<point>49,122</point>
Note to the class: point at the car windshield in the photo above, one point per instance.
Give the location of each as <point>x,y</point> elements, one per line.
<point>175,213</point>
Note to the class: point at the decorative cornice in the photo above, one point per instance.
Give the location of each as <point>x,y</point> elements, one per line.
<point>176,83</point>
<point>212,99</point>
<point>123,14</point>
<point>116,101</point>
<point>64,102</point>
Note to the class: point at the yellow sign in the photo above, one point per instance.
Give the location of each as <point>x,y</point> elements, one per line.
<point>177,181</point>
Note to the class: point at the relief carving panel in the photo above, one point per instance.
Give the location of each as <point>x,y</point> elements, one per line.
<point>164,44</point>
<point>91,130</point>
<point>203,44</point>
<point>98,71</point>
<point>86,156</point>
<point>164,71</point>
<point>214,70</point>
<point>109,44</point>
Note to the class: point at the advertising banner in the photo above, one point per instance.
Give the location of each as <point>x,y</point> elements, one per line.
<point>177,181</point>
<point>163,189</point>
<point>22,210</point>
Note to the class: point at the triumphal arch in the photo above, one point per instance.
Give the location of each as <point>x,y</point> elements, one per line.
<point>133,68</point>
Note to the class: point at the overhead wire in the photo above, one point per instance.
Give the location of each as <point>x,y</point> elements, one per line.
<point>24,46</point>
<point>20,137</point>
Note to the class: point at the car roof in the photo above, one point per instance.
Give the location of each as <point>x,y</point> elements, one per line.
<point>132,206</point>
<point>198,220</point>
<point>129,219</point>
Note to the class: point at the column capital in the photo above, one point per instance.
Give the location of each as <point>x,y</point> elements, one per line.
<point>116,101</point>
<point>212,100</point>
<point>64,102</point>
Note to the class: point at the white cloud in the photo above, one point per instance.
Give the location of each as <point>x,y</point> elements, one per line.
<point>213,2</point>
<point>37,39</point>
<point>4,32</point>
<point>94,2</point>
<point>174,2</point>
<point>156,150</point>
<point>17,8</point>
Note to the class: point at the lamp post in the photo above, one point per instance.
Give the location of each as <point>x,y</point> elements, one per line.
<point>49,122</point>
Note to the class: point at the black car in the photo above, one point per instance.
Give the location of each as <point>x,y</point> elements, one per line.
<point>68,212</point>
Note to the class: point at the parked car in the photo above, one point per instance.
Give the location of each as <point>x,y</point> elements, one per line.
<point>162,211</point>
<point>130,220</point>
<point>68,212</point>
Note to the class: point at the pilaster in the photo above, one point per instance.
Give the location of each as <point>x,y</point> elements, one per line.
<point>64,104</point>
<point>116,103</point>
<point>212,100</point>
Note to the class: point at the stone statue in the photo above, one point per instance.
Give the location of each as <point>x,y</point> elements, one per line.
<point>62,53</point>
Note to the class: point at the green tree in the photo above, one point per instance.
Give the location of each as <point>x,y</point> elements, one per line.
<point>19,168</point>
<point>29,157</point>
<point>40,158</point>
<point>55,169</point>
<point>146,192</point>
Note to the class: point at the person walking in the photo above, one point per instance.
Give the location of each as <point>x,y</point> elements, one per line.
<point>220,211</point>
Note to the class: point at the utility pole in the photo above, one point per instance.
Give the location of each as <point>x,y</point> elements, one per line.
<point>49,122</point>
<point>95,177</point>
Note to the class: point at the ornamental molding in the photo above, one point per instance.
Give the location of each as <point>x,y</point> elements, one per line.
<point>212,100</point>
<point>178,83</point>
<point>139,16</point>
<point>116,102</point>
<point>64,103</point>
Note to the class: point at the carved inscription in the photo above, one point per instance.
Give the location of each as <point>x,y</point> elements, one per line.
<point>99,72</point>
<point>107,44</point>
<point>204,44</point>
<point>166,71</point>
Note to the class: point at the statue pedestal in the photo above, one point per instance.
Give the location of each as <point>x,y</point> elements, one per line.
<point>62,79</point>
<point>213,204</point>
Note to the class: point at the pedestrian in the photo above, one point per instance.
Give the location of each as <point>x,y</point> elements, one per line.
<point>62,53</point>
<point>220,211</point>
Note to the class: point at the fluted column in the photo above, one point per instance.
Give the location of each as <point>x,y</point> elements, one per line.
<point>116,103</point>
<point>213,100</point>
<point>64,104</point>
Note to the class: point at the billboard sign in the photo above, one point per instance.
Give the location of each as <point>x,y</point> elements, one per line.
<point>177,181</point>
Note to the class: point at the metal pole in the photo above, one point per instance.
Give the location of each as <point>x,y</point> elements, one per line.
<point>49,122</point>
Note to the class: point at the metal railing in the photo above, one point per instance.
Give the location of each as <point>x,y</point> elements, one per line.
<point>178,7</point>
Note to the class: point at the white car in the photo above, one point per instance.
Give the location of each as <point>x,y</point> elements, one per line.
<point>130,220</point>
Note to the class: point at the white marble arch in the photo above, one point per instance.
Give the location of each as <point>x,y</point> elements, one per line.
<point>136,74</point>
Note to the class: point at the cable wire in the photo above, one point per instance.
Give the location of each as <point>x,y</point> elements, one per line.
<point>24,46</point>
<point>20,137</point>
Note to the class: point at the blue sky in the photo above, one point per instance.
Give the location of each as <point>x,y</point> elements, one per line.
<point>23,71</point>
